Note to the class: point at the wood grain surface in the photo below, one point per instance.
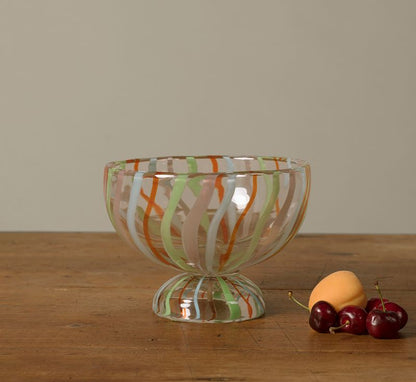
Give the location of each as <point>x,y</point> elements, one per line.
<point>77,307</point>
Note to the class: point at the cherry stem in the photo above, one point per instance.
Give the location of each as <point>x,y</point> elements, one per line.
<point>332,329</point>
<point>290,294</point>
<point>381,296</point>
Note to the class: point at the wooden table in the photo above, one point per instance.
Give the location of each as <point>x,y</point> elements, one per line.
<point>77,307</point>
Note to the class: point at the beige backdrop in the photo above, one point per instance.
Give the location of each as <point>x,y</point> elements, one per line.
<point>85,82</point>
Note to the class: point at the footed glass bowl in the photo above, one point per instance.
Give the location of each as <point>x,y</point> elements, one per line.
<point>209,217</point>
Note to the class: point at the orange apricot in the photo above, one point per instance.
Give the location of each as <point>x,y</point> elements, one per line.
<point>340,289</point>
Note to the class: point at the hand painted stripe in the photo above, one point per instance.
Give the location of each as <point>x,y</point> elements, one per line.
<point>170,164</point>
<point>163,289</point>
<point>215,222</point>
<point>194,184</point>
<point>304,201</point>
<point>224,257</point>
<point>231,211</point>
<point>184,288</point>
<point>259,304</point>
<point>110,209</point>
<point>146,217</point>
<point>220,188</point>
<point>105,184</point>
<point>283,215</point>
<point>155,206</point>
<point>118,220</point>
<point>152,165</point>
<point>249,307</point>
<point>131,216</point>
<point>193,221</point>
<point>196,304</point>
<point>192,165</point>
<point>177,255</point>
<point>169,295</point>
<point>223,223</point>
<point>235,311</point>
<point>300,212</point>
<point>108,195</point>
<point>266,178</point>
<point>276,161</point>
<point>264,214</point>
<point>248,217</point>
<point>210,298</point>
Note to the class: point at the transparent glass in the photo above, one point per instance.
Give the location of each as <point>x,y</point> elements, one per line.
<point>209,217</point>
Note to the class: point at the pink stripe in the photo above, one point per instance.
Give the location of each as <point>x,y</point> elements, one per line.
<point>249,216</point>
<point>105,182</point>
<point>190,227</point>
<point>282,216</point>
<point>121,225</point>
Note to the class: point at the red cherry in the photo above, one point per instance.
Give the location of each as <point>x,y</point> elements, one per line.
<point>352,319</point>
<point>323,316</point>
<point>373,303</point>
<point>396,308</point>
<point>383,324</point>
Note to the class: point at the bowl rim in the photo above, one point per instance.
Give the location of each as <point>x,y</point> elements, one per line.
<point>296,165</point>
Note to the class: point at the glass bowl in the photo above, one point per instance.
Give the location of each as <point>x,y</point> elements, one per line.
<point>209,217</point>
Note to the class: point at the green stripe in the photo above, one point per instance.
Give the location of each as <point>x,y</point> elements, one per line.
<point>195,185</point>
<point>169,295</point>
<point>192,165</point>
<point>108,195</point>
<point>235,311</point>
<point>177,255</point>
<point>111,171</point>
<point>272,192</point>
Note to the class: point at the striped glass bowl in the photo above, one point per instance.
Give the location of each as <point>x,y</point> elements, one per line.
<point>210,217</point>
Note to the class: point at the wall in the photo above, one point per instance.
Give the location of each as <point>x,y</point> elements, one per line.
<point>86,82</point>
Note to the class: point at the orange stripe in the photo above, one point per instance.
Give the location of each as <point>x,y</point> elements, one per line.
<point>277,199</point>
<point>146,222</point>
<point>249,307</point>
<point>224,257</point>
<point>158,210</point>
<point>156,207</point>
<point>220,187</point>
<point>214,164</point>
<point>210,301</point>
<point>223,224</point>
<point>184,287</point>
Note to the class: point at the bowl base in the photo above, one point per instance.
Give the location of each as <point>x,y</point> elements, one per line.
<point>209,299</point>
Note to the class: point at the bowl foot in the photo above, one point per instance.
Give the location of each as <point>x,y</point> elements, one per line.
<point>198,298</point>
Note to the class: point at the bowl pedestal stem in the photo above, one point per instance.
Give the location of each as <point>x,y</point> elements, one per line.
<point>208,298</point>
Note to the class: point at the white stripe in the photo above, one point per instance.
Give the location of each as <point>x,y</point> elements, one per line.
<point>231,215</point>
<point>152,165</point>
<point>289,166</point>
<point>198,287</point>
<point>215,222</point>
